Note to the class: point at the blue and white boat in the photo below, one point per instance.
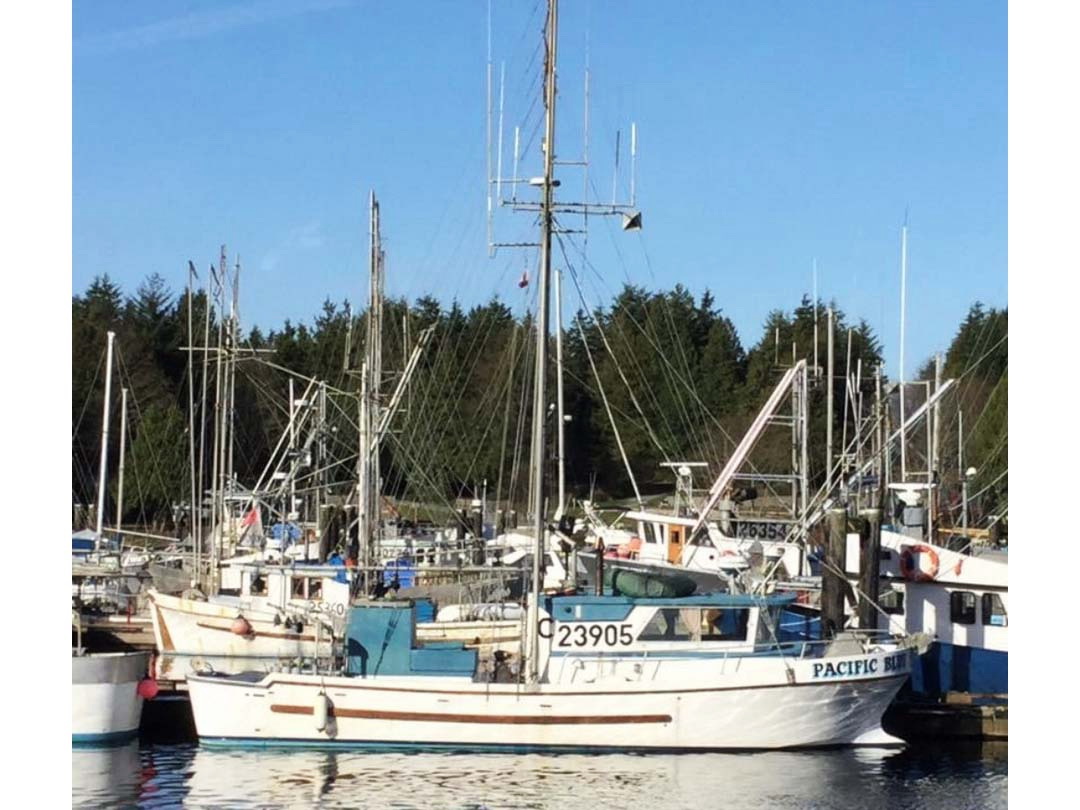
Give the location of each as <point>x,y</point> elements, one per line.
<point>614,673</point>
<point>106,706</point>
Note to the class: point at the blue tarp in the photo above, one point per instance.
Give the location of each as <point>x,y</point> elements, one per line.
<point>290,531</point>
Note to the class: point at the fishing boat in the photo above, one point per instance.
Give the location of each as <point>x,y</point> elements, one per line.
<point>616,673</point>
<point>106,692</point>
<point>959,598</point>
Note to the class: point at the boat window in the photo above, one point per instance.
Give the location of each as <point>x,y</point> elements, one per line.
<point>993,610</point>
<point>671,624</point>
<point>702,538</point>
<point>258,586</point>
<point>962,607</point>
<point>650,532</point>
<point>892,602</point>
<point>724,625</point>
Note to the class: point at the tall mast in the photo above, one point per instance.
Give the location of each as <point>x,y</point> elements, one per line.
<point>559,396</point>
<point>903,317</point>
<point>120,474</point>
<point>374,376</point>
<point>191,415</point>
<point>538,441</point>
<point>104,437</point>
<point>828,394</point>
<point>200,549</point>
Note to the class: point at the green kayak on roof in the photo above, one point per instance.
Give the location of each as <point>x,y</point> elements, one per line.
<point>624,582</point>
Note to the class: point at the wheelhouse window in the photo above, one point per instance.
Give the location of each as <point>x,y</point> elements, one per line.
<point>702,538</point>
<point>725,625</point>
<point>650,532</point>
<point>669,624</point>
<point>892,602</point>
<point>697,624</point>
<point>993,611</point>
<point>962,607</point>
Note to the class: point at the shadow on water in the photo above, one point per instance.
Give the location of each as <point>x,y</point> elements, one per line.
<point>186,775</point>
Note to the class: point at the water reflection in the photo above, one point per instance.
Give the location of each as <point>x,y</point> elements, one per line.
<point>105,776</point>
<point>169,776</point>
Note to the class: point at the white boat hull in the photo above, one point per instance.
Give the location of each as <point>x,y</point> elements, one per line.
<point>105,702</point>
<point>747,703</point>
<point>196,636</point>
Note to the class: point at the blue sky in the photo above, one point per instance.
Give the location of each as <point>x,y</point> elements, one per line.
<point>771,134</point>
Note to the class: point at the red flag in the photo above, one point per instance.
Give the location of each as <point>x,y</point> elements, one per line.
<point>524,282</point>
<point>250,518</point>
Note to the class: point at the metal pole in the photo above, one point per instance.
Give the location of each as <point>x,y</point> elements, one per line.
<point>963,475</point>
<point>829,402</point>
<point>559,411</point>
<point>538,441</point>
<point>191,419</point>
<point>903,315</point>
<point>120,486</point>
<point>102,469</point>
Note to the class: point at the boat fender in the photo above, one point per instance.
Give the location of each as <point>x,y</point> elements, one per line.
<point>147,688</point>
<point>322,711</point>
<point>910,571</point>
<point>241,626</point>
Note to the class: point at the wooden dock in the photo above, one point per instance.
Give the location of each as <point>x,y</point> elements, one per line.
<point>959,716</point>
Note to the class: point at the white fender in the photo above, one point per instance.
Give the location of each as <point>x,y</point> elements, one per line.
<point>322,711</point>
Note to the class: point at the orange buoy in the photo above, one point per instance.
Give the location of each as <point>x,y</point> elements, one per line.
<point>241,626</point>
<point>147,688</point>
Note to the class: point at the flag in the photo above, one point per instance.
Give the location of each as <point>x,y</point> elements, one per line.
<point>524,282</point>
<point>250,518</point>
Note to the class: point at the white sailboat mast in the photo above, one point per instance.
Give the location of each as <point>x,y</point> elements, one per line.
<point>539,439</point>
<point>120,474</point>
<point>560,409</point>
<point>903,321</point>
<point>104,437</point>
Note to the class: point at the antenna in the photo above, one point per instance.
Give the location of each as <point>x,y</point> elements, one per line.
<point>490,208</point>
<point>615,176</point>
<point>633,159</point>
<point>517,157</point>
<point>502,93</point>
<point>817,369</point>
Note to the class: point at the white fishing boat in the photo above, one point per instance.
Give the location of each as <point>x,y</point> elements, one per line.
<point>106,705</point>
<point>615,673</point>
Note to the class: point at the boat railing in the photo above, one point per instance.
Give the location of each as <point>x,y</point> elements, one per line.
<point>813,648</point>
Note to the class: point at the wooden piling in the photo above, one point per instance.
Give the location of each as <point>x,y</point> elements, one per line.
<point>832,575</point>
<point>869,565</point>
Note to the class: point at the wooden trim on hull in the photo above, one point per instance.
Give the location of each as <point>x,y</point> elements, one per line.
<point>497,719</point>
<point>257,633</point>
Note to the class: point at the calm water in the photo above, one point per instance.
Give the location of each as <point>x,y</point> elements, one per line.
<point>156,776</point>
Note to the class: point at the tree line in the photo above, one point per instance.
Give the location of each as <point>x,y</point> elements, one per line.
<point>670,367</point>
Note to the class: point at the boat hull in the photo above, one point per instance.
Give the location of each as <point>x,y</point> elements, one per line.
<point>105,703</point>
<point>756,703</point>
<point>192,635</point>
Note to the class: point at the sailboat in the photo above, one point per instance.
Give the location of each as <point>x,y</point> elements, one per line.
<point>598,672</point>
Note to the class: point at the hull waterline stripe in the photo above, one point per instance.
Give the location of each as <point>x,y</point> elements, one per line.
<point>495,719</point>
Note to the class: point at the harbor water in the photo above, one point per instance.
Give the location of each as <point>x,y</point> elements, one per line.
<point>143,775</point>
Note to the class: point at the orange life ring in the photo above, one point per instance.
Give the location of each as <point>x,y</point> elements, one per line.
<point>910,571</point>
